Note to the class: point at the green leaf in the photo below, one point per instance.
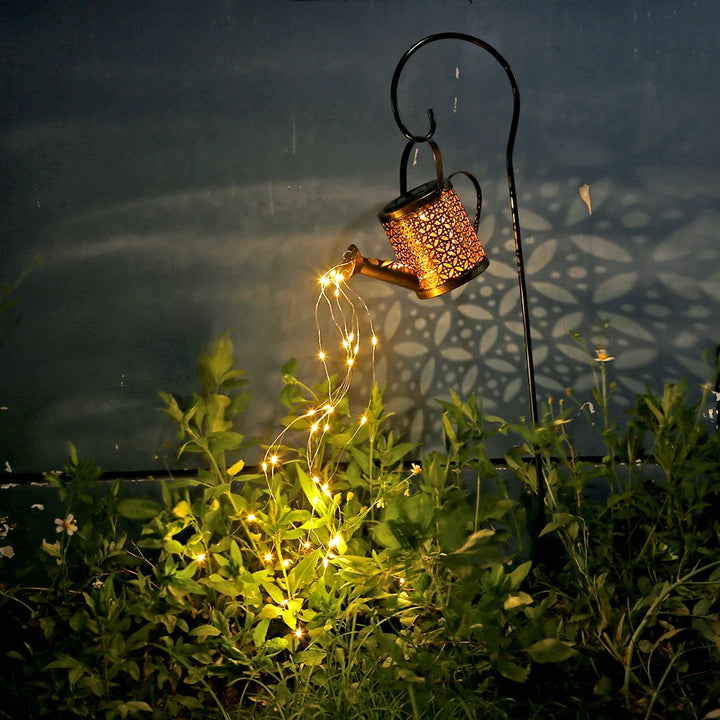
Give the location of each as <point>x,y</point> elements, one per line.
<point>222,585</point>
<point>275,645</point>
<point>216,366</point>
<point>522,598</point>
<point>138,508</point>
<point>512,671</point>
<point>172,409</point>
<point>311,656</point>
<point>550,650</point>
<point>270,612</point>
<point>235,468</point>
<point>236,554</point>
<point>303,570</point>
<point>273,591</point>
<point>182,509</point>
<point>132,707</point>
<point>519,574</point>
<point>260,632</point>
<point>204,631</point>
<point>559,520</point>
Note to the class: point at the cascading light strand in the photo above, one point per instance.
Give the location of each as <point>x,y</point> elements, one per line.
<point>340,354</point>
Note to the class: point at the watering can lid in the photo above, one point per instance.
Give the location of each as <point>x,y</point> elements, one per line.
<point>413,200</point>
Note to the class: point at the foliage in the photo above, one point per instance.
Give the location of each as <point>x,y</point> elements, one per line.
<point>388,584</point>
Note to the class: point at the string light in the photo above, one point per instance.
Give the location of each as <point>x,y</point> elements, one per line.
<point>342,306</point>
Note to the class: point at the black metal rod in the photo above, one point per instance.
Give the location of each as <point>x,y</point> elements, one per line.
<point>513,207</point>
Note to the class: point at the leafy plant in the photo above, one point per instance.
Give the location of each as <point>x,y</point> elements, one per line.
<point>353,575</point>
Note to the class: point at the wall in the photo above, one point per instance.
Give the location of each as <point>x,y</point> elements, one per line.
<point>186,168</point>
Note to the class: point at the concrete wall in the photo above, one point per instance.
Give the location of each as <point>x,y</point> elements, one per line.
<point>184,168</point>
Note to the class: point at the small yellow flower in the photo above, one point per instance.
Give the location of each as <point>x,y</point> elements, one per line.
<point>67,525</point>
<point>416,469</point>
<point>601,355</point>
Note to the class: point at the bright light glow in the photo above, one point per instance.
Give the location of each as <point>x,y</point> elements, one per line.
<point>251,518</point>
<point>298,633</point>
<point>268,558</point>
<point>200,557</point>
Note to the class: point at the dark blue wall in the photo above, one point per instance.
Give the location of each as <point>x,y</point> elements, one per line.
<point>184,168</point>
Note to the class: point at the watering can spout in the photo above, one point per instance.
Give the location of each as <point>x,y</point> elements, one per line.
<point>387,270</point>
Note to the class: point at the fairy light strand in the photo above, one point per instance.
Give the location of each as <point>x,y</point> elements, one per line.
<point>347,314</point>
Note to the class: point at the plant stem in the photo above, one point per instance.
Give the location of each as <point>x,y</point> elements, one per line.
<point>664,594</point>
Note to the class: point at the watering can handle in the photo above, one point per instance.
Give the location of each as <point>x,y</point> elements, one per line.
<point>440,174</point>
<point>478,195</point>
<point>438,165</point>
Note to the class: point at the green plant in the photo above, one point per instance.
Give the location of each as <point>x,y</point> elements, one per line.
<point>640,580</point>
<point>352,575</point>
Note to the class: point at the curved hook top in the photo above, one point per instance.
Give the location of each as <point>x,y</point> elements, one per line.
<point>431,116</point>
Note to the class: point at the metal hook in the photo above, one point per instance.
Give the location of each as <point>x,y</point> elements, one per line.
<point>431,115</point>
